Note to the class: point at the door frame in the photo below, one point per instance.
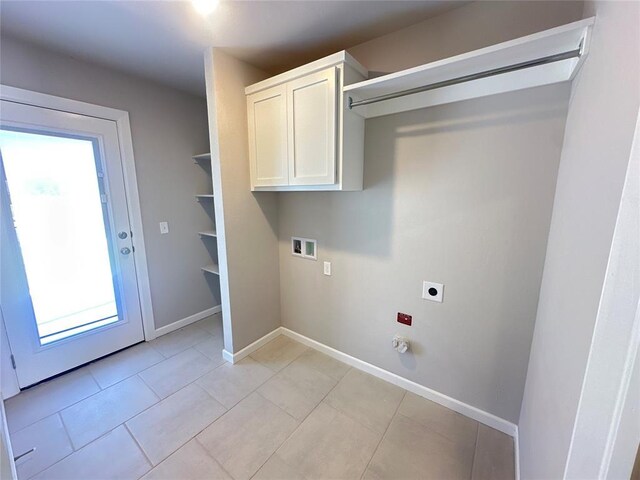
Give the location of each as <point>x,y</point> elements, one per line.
<point>123,126</point>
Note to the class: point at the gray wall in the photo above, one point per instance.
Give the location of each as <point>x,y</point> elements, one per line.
<point>599,133</point>
<point>459,194</point>
<point>168,127</point>
<point>248,222</point>
<point>476,25</point>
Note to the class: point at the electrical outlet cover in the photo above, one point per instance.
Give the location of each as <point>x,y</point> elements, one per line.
<point>404,318</point>
<point>327,268</point>
<point>432,291</point>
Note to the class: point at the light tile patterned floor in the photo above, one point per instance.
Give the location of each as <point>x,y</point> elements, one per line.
<point>173,409</point>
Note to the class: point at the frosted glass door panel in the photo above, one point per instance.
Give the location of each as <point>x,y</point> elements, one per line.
<point>56,192</point>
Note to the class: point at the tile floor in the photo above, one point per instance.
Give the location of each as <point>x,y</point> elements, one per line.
<point>173,409</point>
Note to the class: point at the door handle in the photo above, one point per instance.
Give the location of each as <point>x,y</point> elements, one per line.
<point>125,250</point>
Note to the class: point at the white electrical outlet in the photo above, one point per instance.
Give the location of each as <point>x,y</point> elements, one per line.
<point>327,268</point>
<point>164,228</point>
<point>432,291</point>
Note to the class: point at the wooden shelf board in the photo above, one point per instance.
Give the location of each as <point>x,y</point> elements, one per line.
<point>205,196</point>
<point>208,233</point>
<point>542,44</point>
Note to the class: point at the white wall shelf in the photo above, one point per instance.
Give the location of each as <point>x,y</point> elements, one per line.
<point>203,157</point>
<point>551,42</point>
<point>204,160</point>
<point>211,269</point>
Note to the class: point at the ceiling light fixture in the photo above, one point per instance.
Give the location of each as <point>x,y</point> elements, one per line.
<point>205,7</point>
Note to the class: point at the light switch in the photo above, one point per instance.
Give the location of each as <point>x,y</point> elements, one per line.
<point>327,268</point>
<point>164,228</point>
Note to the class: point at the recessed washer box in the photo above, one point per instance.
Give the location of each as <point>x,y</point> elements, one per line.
<point>304,247</point>
<point>432,291</point>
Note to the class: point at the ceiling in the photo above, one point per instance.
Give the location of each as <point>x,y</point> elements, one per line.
<point>164,40</point>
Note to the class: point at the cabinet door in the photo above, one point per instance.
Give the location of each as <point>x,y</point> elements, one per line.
<point>267,117</point>
<point>312,114</point>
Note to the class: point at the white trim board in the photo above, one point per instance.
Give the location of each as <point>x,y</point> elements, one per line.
<point>249,349</point>
<point>121,117</point>
<point>187,321</point>
<point>470,411</point>
<point>516,453</point>
<point>481,416</point>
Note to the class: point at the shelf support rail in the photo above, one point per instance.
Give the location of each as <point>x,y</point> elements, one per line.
<point>467,78</point>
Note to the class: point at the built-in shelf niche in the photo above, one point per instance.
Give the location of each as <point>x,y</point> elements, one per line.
<point>204,160</point>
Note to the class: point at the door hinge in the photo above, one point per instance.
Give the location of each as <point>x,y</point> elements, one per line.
<point>13,362</point>
<point>103,198</point>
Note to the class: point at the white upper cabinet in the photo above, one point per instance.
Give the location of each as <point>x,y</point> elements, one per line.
<point>312,115</point>
<point>301,136</point>
<point>267,113</point>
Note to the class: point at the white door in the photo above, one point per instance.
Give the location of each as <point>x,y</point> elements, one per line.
<point>267,117</point>
<point>312,112</point>
<point>68,287</point>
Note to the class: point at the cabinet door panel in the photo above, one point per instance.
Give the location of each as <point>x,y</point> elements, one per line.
<point>267,117</point>
<point>312,113</point>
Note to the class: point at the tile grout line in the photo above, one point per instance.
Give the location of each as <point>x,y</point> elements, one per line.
<point>395,413</point>
<point>190,438</point>
<point>300,421</point>
<point>157,403</point>
<point>198,342</point>
<point>66,430</point>
<point>73,450</point>
<point>135,440</point>
<point>100,389</point>
<point>59,412</point>
<point>53,413</point>
<point>335,407</point>
<point>88,367</point>
<point>81,448</point>
<point>192,381</point>
<point>475,451</point>
<point>206,451</point>
<point>133,374</point>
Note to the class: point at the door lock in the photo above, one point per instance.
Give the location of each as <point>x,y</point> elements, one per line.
<point>122,235</point>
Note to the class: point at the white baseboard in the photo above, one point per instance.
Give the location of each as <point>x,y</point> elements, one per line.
<point>249,349</point>
<point>187,320</point>
<point>228,356</point>
<point>470,411</point>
